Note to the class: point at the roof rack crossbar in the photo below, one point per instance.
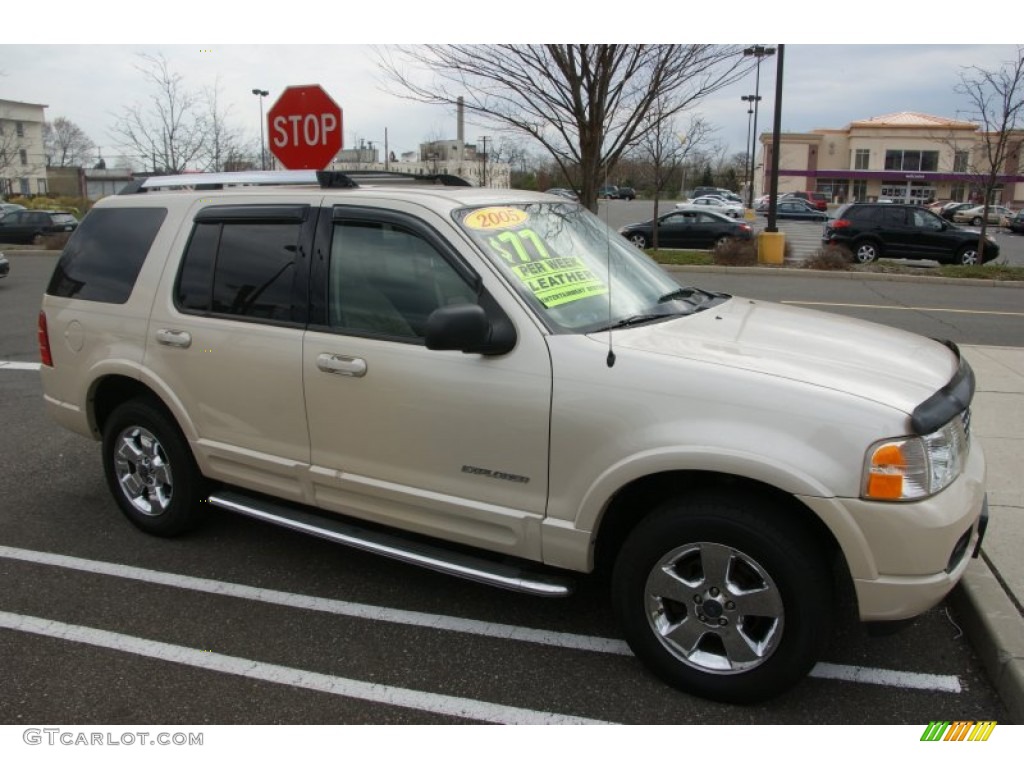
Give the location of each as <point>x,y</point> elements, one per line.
<point>324,179</point>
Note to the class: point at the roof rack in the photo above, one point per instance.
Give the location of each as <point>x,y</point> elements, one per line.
<point>324,179</point>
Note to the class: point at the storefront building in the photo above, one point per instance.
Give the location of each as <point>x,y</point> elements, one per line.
<point>907,157</point>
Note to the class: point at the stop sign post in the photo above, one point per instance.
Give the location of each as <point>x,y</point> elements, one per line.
<point>304,128</point>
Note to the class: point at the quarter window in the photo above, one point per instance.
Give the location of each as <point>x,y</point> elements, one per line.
<point>103,257</point>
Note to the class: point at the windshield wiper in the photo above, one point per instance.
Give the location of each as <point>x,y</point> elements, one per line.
<point>626,322</point>
<point>688,292</point>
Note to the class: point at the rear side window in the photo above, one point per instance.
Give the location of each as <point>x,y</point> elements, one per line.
<point>894,217</point>
<point>237,264</point>
<point>864,213</point>
<point>102,259</point>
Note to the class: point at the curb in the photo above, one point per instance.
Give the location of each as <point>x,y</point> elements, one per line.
<point>996,630</point>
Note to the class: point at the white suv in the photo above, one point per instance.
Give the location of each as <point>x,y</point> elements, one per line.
<point>492,384</point>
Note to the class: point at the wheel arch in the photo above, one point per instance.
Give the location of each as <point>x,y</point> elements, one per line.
<point>636,500</point>
<point>110,391</point>
<point>867,240</point>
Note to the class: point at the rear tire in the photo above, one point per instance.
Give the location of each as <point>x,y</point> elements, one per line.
<point>150,470</point>
<point>865,252</point>
<point>724,596</point>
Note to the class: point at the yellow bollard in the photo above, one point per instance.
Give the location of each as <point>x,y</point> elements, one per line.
<point>771,247</point>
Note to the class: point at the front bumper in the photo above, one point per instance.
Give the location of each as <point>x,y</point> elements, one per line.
<point>905,558</point>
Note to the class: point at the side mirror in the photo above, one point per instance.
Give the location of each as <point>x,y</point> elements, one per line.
<point>467,328</point>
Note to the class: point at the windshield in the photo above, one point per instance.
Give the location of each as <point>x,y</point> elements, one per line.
<point>558,256</point>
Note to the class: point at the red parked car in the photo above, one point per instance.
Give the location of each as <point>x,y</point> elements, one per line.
<point>817,199</point>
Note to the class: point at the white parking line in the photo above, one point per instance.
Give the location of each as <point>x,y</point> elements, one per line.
<point>11,365</point>
<point>868,675</point>
<point>470,709</point>
<point>323,604</point>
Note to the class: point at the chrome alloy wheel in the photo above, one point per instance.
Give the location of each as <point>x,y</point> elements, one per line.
<point>714,608</point>
<point>143,471</point>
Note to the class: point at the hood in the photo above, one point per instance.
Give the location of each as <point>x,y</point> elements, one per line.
<point>883,364</point>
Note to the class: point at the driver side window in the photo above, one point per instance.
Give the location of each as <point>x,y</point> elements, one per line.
<point>385,280</point>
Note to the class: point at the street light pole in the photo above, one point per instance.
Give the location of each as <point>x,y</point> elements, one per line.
<point>747,167</point>
<point>263,150</point>
<point>759,52</point>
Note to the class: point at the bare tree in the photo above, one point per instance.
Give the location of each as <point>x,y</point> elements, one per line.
<point>663,148</point>
<point>171,129</point>
<point>66,145</point>
<point>224,145</point>
<point>585,104</point>
<point>995,101</point>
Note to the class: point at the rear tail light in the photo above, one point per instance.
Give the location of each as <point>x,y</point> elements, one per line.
<point>839,223</point>
<point>44,341</point>
<point>745,228</point>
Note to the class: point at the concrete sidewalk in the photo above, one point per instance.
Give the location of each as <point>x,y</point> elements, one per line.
<point>990,599</point>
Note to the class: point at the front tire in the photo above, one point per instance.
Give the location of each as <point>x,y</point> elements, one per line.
<point>968,256</point>
<point>976,221</point>
<point>723,596</point>
<point>150,470</point>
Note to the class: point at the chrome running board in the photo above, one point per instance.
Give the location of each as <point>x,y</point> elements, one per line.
<point>495,574</point>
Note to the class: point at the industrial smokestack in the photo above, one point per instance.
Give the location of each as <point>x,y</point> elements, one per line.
<point>461,126</point>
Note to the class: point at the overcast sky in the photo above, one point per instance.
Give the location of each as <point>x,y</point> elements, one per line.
<point>91,76</point>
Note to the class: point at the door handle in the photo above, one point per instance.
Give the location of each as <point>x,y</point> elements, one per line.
<point>341,365</point>
<point>172,338</point>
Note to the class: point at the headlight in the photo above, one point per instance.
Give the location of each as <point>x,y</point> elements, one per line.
<point>908,468</point>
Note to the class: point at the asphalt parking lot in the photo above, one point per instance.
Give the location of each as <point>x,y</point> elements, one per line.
<point>242,623</point>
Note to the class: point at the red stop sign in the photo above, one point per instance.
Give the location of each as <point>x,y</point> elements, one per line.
<point>304,128</point>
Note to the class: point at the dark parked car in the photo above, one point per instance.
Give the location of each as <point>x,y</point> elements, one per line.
<point>608,191</point>
<point>6,208</point>
<point>627,193</point>
<point>31,226</point>
<point>688,229</point>
<point>568,194</point>
<point>794,208</point>
<point>874,230</point>
<point>1016,223</point>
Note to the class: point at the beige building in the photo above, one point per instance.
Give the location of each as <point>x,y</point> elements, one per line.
<point>905,157</point>
<point>22,156</point>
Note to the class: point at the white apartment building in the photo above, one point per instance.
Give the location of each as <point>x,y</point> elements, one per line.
<point>22,155</point>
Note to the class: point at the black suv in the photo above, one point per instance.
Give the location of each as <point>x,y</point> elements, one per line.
<point>874,230</point>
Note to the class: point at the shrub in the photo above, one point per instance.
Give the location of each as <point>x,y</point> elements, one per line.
<point>830,257</point>
<point>736,253</point>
